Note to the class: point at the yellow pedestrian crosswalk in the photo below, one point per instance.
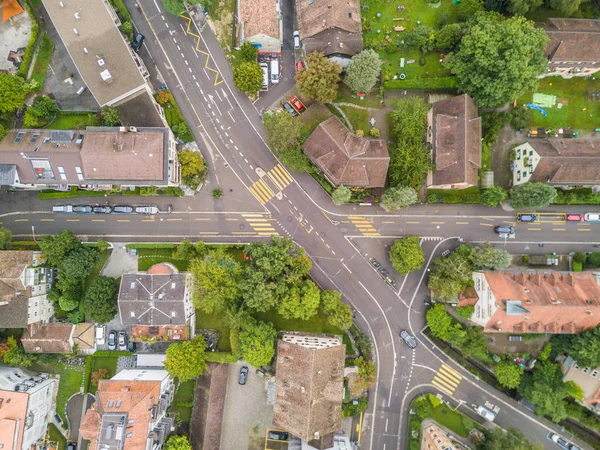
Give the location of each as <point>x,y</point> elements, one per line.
<point>262,191</point>
<point>446,379</point>
<point>279,176</point>
<point>364,226</point>
<point>261,224</point>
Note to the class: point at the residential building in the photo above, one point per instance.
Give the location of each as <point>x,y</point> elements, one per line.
<point>25,402</point>
<point>114,74</point>
<point>435,437</point>
<point>310,387</point>
<point>94,158</point>
<point>48,338</point>
<point>558,162</point>
<point>455,136</point>
<point>587,378</point>
<point>573,48</point>
<point>23,288</point>
<point>130,412</point>
<point>330,26</point>
<point>261,24</point>
<point>158,304</point>
<point>345,158</point>
<point>536,302</point>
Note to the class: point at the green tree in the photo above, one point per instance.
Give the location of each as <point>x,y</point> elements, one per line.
<point>67,303</point>
<point>443,326</point>
<point>546,390</point>
<point>520,118</point>
<point>248,77</point>
<point>511,439</point>
<point>522,7</point>
<point>257,343</point>
<point>55,248</point>
<point>110,116</point>
<point>102,245</point>
<point>564,7</point>
<point>579,257</point>
<point>186,360</point>
<point>3,131</point>
<point>406,254</point>
<point>422,37</point>
<point>465,311</point>
<point>363,71</point>
<point>193,168</point>
<point>5,238</point>
<point>594,259</point>
<point>320,79</point>
<point>467,9</point>
<point>185,250</point>
<point>493,196</point>
<point>13,354</point>
<point>583,348</point>
<point>532,195</point>
<point>283,131</point>
<point>44,106</point>
<point>300,302</point>
<point>127,29</point>
<point>508,374</point>
<point>490,258</point>
<point>100,301</point>
<point>175,442</point>
<point>341,195</point>
<point>448,36</point>
<point>248,52</point>
<point>76,266</point>
<point>338,313</point>
<point>450,275</point>
<point>575,391</point>
<point>217,275</point>
<point>12,92</point>
<point>401,197</point>
<point>498,59</point>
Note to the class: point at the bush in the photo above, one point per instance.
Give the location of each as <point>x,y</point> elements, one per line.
<point>465,311</point>
<point>149,190</point>
<point>31,45</point>
<point>581,196</point>
<point>174,191</point>
<point>594,259</point>
<point>374,132</point>
<point>217,193</point>
<point>220,357</point>
<point>579,257</point>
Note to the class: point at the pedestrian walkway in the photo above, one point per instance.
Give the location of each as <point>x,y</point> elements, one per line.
<point>280,177</point>
<point>262,191</point>
<point>446,379</point>
<point>364,226</point>
<point>261,225</point>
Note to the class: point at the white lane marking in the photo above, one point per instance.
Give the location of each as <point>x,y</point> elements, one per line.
<point>178,48</point>
<point>230,141</point>
<point>185,61</point>
<point>206,73</point>
<point>229,112</point>
<point>198,85</point>
<point>162,17</point>
<point>386,424</point>
<point>241,154</point>
<point>217,120</point>
<point>166,25</point>
<point>344,264</point>
<point>246,160</point>
<point>251,168</point>
<point>159,11</point>
<point>220,99</point>
<point>226,97</point>
<point>190,69</point>
<point>236,147</point>
<point>194,77</point>
<point>182,55</point>
<point>175,40</point>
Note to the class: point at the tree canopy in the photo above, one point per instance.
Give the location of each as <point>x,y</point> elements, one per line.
<point>450,275</point>
<point>406,254</point>
<point>532,195</point>
<point>467,9</point>
<point>12,92</point>
<point>490,258</point>
<point>546,390</point>
<point>193,168</point>
<point>300,302</point>
<point>55,248</point>
<point>493,196</point>
<point>441,324</point>
<point>111,117</point>
<point>248,77</point>
<point>511,439</point>
<point>339,314</point>
<point>508,374</point>
<point>175,442</point>
<point>401,197</point>
<point>100,301</point>
<point>320,79</point>
<point>583,348</point>
<point>13,354</point>
<point>341,195</point>
<point>76,266</point>
<point>363,71</point>
<point>498,59</point>
<point>257,342</point>
<point>283,136</point>
<point>522,7</point>
<point>186,360</point>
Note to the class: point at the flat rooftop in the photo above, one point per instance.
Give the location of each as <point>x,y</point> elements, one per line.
<point>103,58</point>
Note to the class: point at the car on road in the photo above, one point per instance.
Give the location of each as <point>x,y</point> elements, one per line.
<point>558,440</point>
<point>62,209</point>
<point>243,375</point>
<point>147,209</point>
<point>408,338</point>
<point>72,446</point>
<point>100,334</point>
<point>504,229</point>
<point>485,413</point>
<point>575,217</point>
<point>278,435</point>
<point>123,209</point>
<point>83,209</point>
<point>592,217</point>
<point>112,340</point>
<point>527,217</point>
<point>296,40</point>
<point>297,104</point>
<point>136,45</point>
<point>102,209</point>
<point>289,109</point>
<point>122,341</point>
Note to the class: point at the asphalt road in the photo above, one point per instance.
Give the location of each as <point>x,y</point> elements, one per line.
<point>228,130</point>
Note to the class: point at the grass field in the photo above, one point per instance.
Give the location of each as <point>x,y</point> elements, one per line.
<point>71,120</point>
<point>104,362</point>
<point>55,435</point>
<point>578,110</point>
<point>184,394</point>
<point>450,419</point>
<point>42,60</point>
<point>359,118</point>
<point>214,322</point>
<point>95,272</point>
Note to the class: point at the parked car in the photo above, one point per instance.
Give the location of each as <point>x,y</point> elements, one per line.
<point>62,209</point>
<point>83,209</point>
<point>592,217</point>
<point>297,104</point>
<point>504,229</point>
<point>243,375</point>
<point>112,340</point>
<point>527,217</point>
<point>289,109</point>
<point>131,346</point>
<point>558,440</point>
<point>123,209</point>
<point>122,341</point>
<point>72,446</point>
<point>275,71</point>
<point>485,413</point>
<point>278,435</point>
<point>408,339</point>
<point>147,209</point>
<point>102,209</point>
<point>136,45</point>
<point>100,334</point>
<point>296,40</point>
<point>265,70</point>
<point>575,217</point>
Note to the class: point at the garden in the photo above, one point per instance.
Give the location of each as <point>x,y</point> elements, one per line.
<point>184,400</point>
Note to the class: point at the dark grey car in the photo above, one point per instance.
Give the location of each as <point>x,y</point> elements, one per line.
<point>408,338</point>
<point>243,375</point>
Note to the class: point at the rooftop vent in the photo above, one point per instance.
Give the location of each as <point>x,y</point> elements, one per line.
<point>85,50</point>
<point>101,62</point>
<point>106,76</point>
<point>75,31</point>
<point>77,16</point>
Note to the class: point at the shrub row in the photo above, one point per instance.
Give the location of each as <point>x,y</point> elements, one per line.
<point>221,357</point>
<point>32,44</point>
<point>112,353</point>
<point>88,373</point>
<point>151,245</point>
<point>423,83</point>
<point>172,191</point>
<point>581,196</point>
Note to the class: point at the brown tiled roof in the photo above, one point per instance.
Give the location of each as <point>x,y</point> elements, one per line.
<point>573,40</point>
<point>310,389</point>
<point>537,302</point>
<point>259,17</point>
<point>84,335</point>
<point>346,158</point>
<point>456,131</point>
<point>315,16</point>
<point>13,415</point>
<point>48,338</point>
<point>12,266</point>
<point>567,161</point>
<point>14,296</point>
<point>334,41</point>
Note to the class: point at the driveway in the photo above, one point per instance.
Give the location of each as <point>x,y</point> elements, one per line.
<point>120,262</point>
<point>75,411</point>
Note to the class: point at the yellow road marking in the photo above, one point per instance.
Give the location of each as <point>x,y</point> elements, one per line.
<point>124,220</point>
<point>268,234</point>
<point>256,220</point>
<point>487,224</point>
<point>438,223</point>
<point>279,176</point>
<point>451,371</point>
<point>414,222</point>
<point>388,221</point>
<point>232,219</point>
<point>372,234</point>
<point>284,174</point>
<point>462,223</point>
<point>584,229</point>
<point>22,220</point>
<point>198,218</point>
<point>509,222</point>
<point>46,220</point>
<point>242,232</point>
<point>534,229</point>
<point>356,217</point>
<point>148,220</point>
<point>253,215</point>
<point>217,81</point>
<point>442,388</point>
<point>72,220</point>
<point>97,220</point>
<point>208,232</point>
<point>558,229</point>
<point>487,218</point>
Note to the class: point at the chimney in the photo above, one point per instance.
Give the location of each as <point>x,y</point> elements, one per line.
<point>125,389</point>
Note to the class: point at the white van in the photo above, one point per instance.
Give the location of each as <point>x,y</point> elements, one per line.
<point>275,71</point>
<point>62,209</point>
<point>485,413</point>
<point>265,70</point>
<point>100,334</point>
<point>296,40</point>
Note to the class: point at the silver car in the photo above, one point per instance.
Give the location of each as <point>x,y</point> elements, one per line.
<point>146,209</point>
<point>122,341</point>
<point>408,338</point>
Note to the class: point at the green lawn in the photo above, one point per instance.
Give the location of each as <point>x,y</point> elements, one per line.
<point>214,322</point>
<point>70,383</point>
<point>72,120</point>
<point>185,394</point>
<point>42,60</point>
<point>578,110</point>
<point>359,118</point>
<point>55,435</point>
<point>98,267</point>
<point>104,362</point>
<point>451,419</point>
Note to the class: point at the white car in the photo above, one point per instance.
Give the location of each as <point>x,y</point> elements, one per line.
<point>147,209</point>
<point>592,217</point>
<point>100,334</point>
<point>485,413</point>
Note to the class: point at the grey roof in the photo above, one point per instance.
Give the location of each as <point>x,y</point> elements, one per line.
<point>148,299</point>
<point>8,173</point>
<point>13,310</point>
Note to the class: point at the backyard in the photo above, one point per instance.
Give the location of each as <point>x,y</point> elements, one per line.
<point>151,256</point>
<point>184,400</point>
<point>574,107</point>
<point>104,362</point>
<point>74,120</point>
<point>56,436</point>
<point>42,60</point>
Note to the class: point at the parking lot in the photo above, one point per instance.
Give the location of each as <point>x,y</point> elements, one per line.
<point>247,415</point>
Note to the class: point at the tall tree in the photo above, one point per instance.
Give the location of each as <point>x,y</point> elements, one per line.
<point>12,92</point>
<point>546,390</point>
<point>508,374</point>
<point>111,117</point>
<point>498,59</point>
<point>283,131</point>
<point>467,9</point>
<point>76,266</point>
<point>217,281</point>
<point>13,354</point>
<point>532,195</point>
<point>406,254</point>
<point>443,326</point>
<point>248,77</point>
<point>175,442</point>
<point>401,197</point>
<point>5,238</point>
<point>564,7</point>
<point>55,248</point>
<point>493,196</point>
<point>448,36</point>
<point>450,275</point>
<point>186,360</point>
<point>490,258</point>
<point>583,348</point>
<point>320,79</point>
<point>257,343</point>
<point>363,71</point>
<point>339,314</point>
<point>522,7</point>
<point>341,195</point>
<point>511,439</point>
<point>193,168</point>
<point>421,37</point>
<point>100,301</point>
<point>300,302</point>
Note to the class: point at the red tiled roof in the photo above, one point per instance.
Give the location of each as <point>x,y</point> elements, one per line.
<point>573,40</point>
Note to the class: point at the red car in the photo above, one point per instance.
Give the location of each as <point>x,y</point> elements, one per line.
<point>575,218</point>
<point>297,104</point>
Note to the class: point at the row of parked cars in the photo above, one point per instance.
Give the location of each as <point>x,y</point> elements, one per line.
<point>116,339</point>
<point>107,209</point>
